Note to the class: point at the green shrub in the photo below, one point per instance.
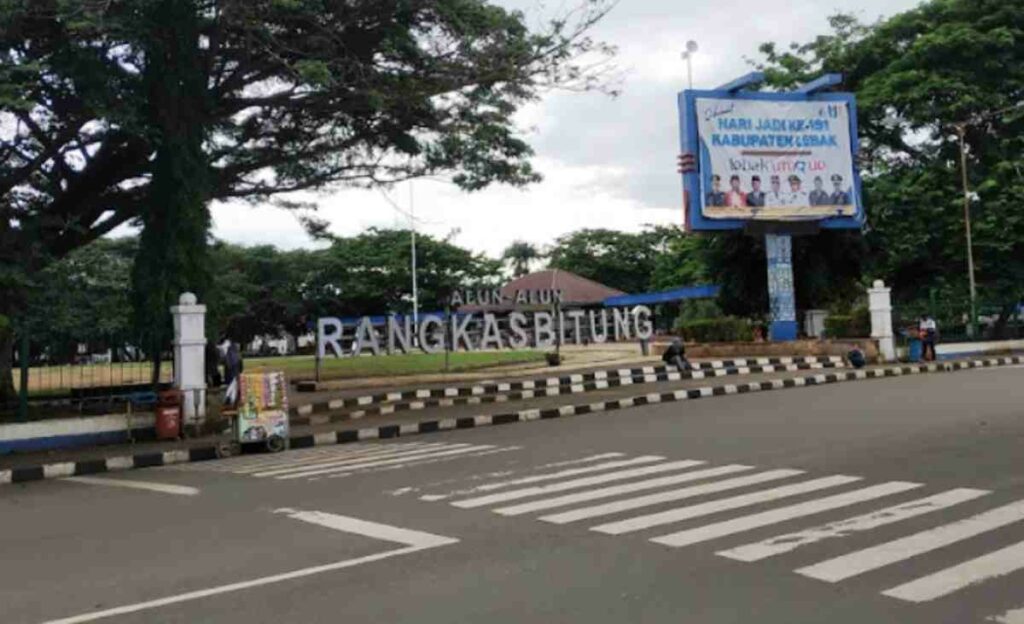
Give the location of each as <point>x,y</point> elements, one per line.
<point>724,329</point>
<point>857,324</point>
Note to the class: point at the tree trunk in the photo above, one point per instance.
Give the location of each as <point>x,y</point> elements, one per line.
<point>8,395</point>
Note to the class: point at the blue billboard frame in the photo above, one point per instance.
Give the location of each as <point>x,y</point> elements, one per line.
<point>690,143</point>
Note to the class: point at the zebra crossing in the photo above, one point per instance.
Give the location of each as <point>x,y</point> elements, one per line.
<point>343,461</point>
<point>619,495</point>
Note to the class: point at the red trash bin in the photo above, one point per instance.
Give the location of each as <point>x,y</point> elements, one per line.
<point>168,415</point>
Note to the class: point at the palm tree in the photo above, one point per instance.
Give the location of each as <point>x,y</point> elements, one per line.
<point>519,255</point>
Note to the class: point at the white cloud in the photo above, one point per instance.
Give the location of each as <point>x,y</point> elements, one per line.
<point>607,162</point>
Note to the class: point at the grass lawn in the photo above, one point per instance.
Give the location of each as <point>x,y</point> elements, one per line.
<point>304,367</point>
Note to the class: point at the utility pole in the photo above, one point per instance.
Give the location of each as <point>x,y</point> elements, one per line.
<point>961,130</point>
<point>415,289</point>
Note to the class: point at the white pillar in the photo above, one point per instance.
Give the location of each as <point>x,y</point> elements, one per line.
<point>189,360</point>
<point>880,305</point>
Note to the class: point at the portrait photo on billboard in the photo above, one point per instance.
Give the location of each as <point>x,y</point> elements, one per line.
<point>772,157</point>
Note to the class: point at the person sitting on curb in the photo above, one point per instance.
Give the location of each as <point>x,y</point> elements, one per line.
<point>675,355</point>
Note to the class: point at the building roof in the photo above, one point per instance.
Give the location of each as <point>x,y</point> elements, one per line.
<point>575,289</point>
<point>676,294</point>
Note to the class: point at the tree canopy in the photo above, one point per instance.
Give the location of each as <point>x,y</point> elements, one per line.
<point>917,76</point>
<point>144,111</point>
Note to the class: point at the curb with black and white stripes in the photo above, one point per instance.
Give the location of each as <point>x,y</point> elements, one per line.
<point>438,397</point>
<point>577,384</point>
<point>146,460</point>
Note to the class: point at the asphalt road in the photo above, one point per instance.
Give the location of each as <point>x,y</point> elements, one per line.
<point>908,507</point>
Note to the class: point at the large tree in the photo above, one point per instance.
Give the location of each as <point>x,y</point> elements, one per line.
<point>141,111</point>
<point>917,76</point>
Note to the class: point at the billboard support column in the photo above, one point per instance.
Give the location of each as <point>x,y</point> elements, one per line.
<point>781,298</point>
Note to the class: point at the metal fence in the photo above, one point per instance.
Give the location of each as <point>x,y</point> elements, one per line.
<point>88,373</point>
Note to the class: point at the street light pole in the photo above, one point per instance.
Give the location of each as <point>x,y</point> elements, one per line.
<point>961,130</point>
<point>691,49</point>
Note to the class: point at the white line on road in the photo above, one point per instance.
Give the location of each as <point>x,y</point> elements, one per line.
<point>386,462</point>
<point>575,483</point>
<point>345,461</point>
<point>488,487</point>
<point>999,563</point>
<point>165,488</point>
<point>1015,616</point>
<point>855,563</point>
<point>386,532</point>
<point>422,541</point>
<point>583,460</point>
<point>430,460</point>
<point>786,543</point>
<point>783,514</point>
<point>584,513</point>
<point>322,454</point>
<point>615,490</point>
<point>695,511</point>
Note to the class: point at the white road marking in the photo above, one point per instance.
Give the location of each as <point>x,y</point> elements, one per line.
<point>165,488</point>
<point>695,511</point>
<point>415,540</point>
<point>615,490</point>
<point>855,563</point>
<point>488,487</point>
<point>385,462</point>
<point>322,454</point>
<point>573,484</point>
<point>791,541</point>
<point>348,524</point>
<point>1015,616</point>
<point>274,472</point>
<point>783,514</point>
<point>583,460</point>
<point>584,513</point>
<point>995,564</point>
<point>431,460</point>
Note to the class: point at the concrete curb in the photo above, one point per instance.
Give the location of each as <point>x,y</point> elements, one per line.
<point>471,390</point>
<point>469,422</point>
<point>323,414</point>
<point>146,460</point>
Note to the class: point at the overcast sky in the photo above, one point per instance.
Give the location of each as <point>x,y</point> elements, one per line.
<point>606,162</point>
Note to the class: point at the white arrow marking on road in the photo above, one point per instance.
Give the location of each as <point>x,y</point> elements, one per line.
<point>386,532</point>
<point>855,563</point>
<point>165,488</point>
<point>786,543</point>
<point>999,563</point>
<point>415,540</point>
<point>774,516</point>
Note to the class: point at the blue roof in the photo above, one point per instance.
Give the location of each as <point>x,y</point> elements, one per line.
<point>706,291</point>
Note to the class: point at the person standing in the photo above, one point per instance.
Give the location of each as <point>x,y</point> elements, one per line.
<point>233,368</point>
<point>797,197</point>
<point>716,197</point>
<point>839,197</point>
<point>928,331</point>
<point>755,198</point>
<point>775,196</point>
<point>735,198</point>
<point>819,196</point>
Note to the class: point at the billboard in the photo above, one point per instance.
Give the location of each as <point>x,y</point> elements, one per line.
<point>770,157</point>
